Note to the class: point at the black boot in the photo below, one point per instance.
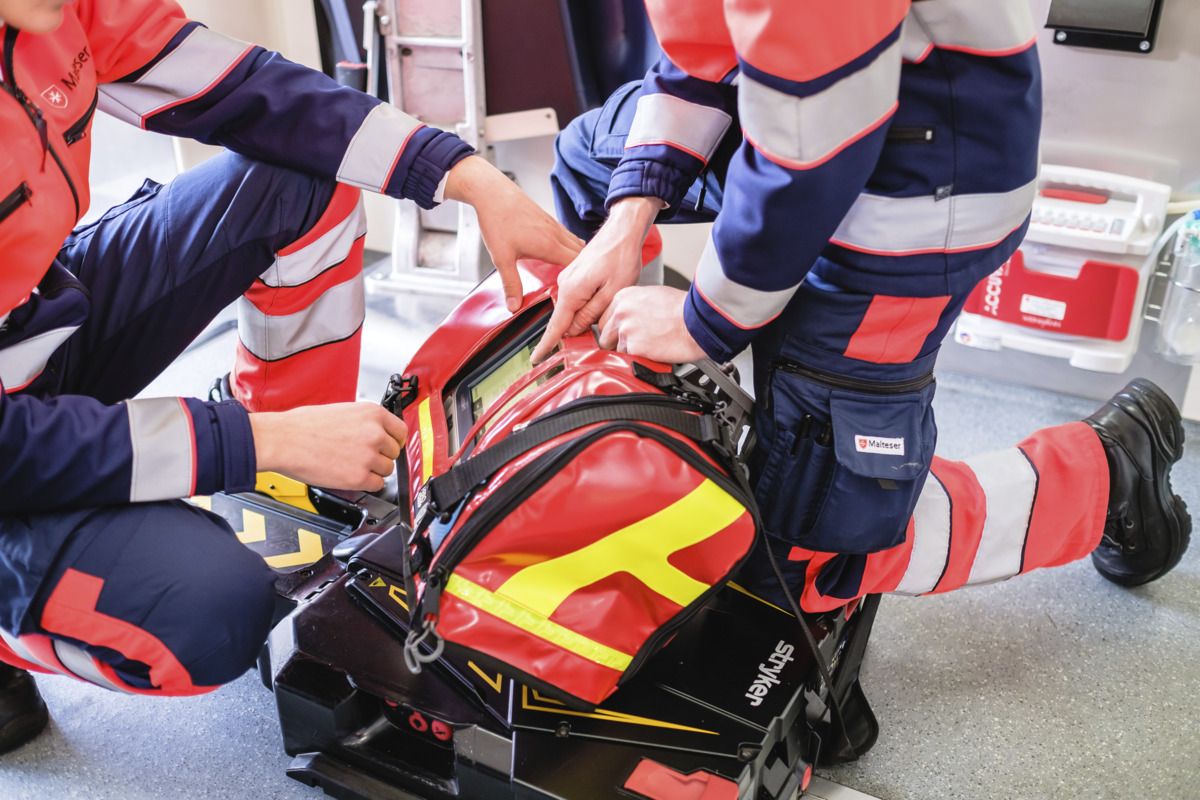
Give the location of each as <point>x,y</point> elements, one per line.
<point>22,713</point>
<point>1148,527</point>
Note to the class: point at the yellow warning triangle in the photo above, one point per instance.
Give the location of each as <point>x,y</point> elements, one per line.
<point>375,584</point>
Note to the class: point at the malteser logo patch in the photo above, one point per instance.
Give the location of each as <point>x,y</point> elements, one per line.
<point>879,445</point>
<point>55,97</point>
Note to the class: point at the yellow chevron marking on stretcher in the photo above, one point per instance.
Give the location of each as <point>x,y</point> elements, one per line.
<point>532,622</point>
<point>496,682</point>
<point>310,552</point>
<point>425,418</point>
<point>201,502</point>
<point>737,587</point>
<point>395,592</point>
<point>611,716</point>
<point>640,549</point>
<point>254,527</point>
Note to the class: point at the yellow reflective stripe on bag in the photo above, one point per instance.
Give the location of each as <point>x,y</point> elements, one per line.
<point>531,596</point>
<point>531,622</point>
<point>640,549</point>
<point>426,421</point>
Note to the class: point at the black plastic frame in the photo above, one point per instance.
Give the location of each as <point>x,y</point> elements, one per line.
<point>1111,40</point>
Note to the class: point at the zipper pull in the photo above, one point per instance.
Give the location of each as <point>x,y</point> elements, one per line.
<point>703,190</point>
<point>43,133</point>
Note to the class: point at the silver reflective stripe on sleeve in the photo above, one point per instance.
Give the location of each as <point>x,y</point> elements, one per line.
<point>82,665</point>
<point>20,363</point>
<point>804,132</point>
<point>910,225</point>
<point>915,43</point>
<point>160,432</point>
<point>665,119</point>
<point>984,27</point>
<point>327,251</point>
<point>332,317</point>
<point>199,62</point>
<point>376,147</point>
<point>931,540</point>
<point>741,305</point>
<point>1010,485</point>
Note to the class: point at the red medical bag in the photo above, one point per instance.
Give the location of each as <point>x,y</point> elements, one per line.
<point>568,516</point>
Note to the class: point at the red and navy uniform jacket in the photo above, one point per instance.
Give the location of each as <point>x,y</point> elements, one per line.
<point>890,146</point>
<point>146,63</point>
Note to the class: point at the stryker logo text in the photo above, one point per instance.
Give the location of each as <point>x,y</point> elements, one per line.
<point>768,673</point>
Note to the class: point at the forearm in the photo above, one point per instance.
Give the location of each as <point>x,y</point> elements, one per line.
<point>632,217</point>
<point>76,452</point>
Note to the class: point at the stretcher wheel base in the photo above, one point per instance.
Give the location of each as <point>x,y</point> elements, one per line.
<point>341,781</point>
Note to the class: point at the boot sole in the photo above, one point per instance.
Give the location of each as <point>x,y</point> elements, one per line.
<point>1169,447</point>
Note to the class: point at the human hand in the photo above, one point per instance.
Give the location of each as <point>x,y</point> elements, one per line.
<point>512,225</point>
<point>339,446</point>
<point>610,262</point>
<point>647,321</point>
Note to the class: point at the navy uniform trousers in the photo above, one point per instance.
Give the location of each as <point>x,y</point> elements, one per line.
<point>157,597</point>
<point>839,372</point>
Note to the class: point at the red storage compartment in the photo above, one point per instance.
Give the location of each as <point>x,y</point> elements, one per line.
<point>1098,303</point>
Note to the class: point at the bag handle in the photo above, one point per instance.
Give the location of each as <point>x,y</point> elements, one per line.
<point>449,489</point>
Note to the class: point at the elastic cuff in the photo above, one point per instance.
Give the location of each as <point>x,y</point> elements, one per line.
<point>649,179</point>
<point>225,457</point>
<point>702,332</point>
<point>429,155</point>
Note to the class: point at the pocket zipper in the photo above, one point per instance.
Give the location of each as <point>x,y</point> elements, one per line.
<point>912,134</point>
<point>79,128</point>
<point>855,384</point>
<point>15,200</point>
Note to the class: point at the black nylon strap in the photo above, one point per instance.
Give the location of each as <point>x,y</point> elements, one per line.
<point>447,490</point>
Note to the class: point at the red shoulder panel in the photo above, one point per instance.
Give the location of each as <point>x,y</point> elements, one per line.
<point>801,40</point>
<point>125,35</point>
<point>693,35</point>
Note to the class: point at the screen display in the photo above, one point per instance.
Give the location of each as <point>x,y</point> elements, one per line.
<point>477,393</point>
<point>489,389</point>
<point>1118,16</point>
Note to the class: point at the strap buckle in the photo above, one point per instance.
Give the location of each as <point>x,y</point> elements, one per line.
<point>400,393</point>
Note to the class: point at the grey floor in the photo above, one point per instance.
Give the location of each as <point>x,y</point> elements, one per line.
<point>1055,685</point>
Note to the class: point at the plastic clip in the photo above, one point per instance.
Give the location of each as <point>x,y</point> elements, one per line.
<point>414,658</point>
<point>401,391</point>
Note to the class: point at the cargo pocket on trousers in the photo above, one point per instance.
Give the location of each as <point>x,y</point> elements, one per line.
<point>795,476</point>
<point>882,447</point>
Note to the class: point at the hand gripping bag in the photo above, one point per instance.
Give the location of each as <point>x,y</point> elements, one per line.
<point>568,517</point>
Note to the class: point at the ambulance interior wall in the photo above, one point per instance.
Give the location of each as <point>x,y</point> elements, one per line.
<point>1130,114</point>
